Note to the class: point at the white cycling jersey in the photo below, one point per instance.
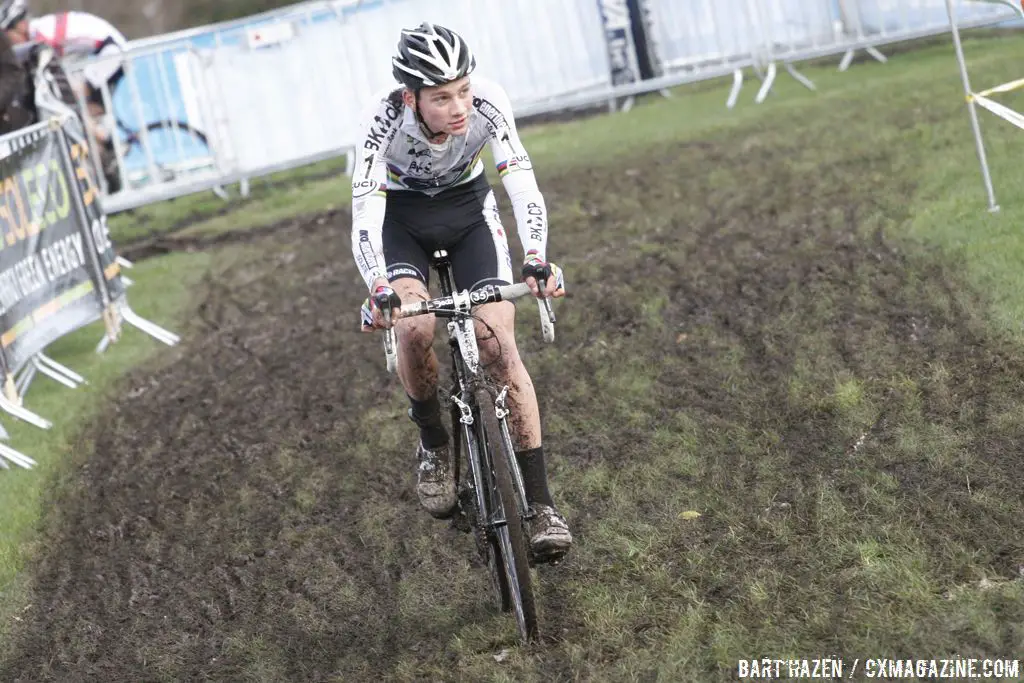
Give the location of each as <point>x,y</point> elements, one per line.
<point>395,156</point>
<point>81,34</point>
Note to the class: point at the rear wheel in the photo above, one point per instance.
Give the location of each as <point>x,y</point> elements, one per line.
<point>176,149</point>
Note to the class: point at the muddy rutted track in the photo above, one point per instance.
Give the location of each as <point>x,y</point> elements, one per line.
<point>157,245</point>
<point>759,353</point>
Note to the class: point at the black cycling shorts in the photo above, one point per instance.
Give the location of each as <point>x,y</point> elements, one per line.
<point>463,220</point>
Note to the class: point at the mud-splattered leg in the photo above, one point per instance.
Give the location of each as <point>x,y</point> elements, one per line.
<point>500,356</point>
<point>417,362</point>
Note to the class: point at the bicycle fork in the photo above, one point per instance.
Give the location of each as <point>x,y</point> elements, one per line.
<point>501,411</point>
<point>468,421</point>
<point>477,468</point>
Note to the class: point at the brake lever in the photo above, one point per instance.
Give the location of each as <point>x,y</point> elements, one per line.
<point>547,302</point>
<point>547,315</point>
<point>550,311</point>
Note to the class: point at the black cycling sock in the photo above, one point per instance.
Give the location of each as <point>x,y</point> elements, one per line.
<point>427,416</point>
<point>535,477</point>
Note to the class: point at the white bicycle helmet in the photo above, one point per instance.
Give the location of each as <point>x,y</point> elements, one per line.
<point>431,55</point>
<point>11,12</point>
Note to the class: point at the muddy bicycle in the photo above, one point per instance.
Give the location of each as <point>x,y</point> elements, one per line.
<point>491,497</point>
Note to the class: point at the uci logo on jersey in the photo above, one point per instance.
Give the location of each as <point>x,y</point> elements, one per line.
<point>362,188</point>
<point>520,162</point>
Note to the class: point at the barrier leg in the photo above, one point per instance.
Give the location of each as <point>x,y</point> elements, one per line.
<point>23,379</point>
<point>737,85</point>
<point>19,459</point>
<point>873,51</point>
<point>769,81</point>
<point>103,345</point>
<point>847,59</point>
<point>972,111</point>
<point>54,375</point>
<point>24,415</point>
<point>62,369</point>
<point>800,78</point>
<point>152,329</point>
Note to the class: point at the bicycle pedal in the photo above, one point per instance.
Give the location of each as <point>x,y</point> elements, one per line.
<point>552,557</point>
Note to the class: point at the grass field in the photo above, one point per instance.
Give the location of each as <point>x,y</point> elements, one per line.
<point>784,413</point>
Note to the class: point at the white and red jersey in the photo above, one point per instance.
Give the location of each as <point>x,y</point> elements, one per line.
<point>80,34</point>
<point>76,33</point>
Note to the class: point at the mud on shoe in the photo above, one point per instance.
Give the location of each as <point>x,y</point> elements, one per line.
<point>435,482</point>
<point>550,539</point>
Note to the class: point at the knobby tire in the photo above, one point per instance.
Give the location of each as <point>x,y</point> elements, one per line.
<point>514,549</point>
<point>487,545</point>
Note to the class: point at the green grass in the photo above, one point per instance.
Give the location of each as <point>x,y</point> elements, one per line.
<point>273,198</point>
<point>782,432</point>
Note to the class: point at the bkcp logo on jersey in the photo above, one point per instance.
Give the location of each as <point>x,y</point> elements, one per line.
<point>378,132</point>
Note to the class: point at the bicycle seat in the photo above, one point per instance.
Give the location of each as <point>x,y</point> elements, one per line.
<point>439,258</point>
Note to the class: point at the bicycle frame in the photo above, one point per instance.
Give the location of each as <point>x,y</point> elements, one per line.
<point>493,515</point>
<point>501,506</point>
<point>468,380</point>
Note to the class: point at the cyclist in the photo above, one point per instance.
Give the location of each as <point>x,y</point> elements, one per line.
<point>419,185</point>
<point>16,109</point>
<point>80,34</point>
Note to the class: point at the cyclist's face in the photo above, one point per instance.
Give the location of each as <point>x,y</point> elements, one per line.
<point>19,32</point>
<point>446,108</point>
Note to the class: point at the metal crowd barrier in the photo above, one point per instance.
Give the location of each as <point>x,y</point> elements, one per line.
<point>171,128</point>
<point>208,108</point>
<point>213,106</point>
<point>702,39</point>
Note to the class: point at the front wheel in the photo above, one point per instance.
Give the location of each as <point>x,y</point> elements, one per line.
<point>476,503</point>
<point>511,536</point>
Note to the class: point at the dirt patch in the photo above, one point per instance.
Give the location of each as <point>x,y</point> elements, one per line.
<point>248,513</point>
<point>165,243</point>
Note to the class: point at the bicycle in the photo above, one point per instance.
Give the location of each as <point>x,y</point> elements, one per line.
<point>50,92</point>
<point>171,145</point>
<point>158,150</point>
<point>173,142</point>
<point>491,500</point>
